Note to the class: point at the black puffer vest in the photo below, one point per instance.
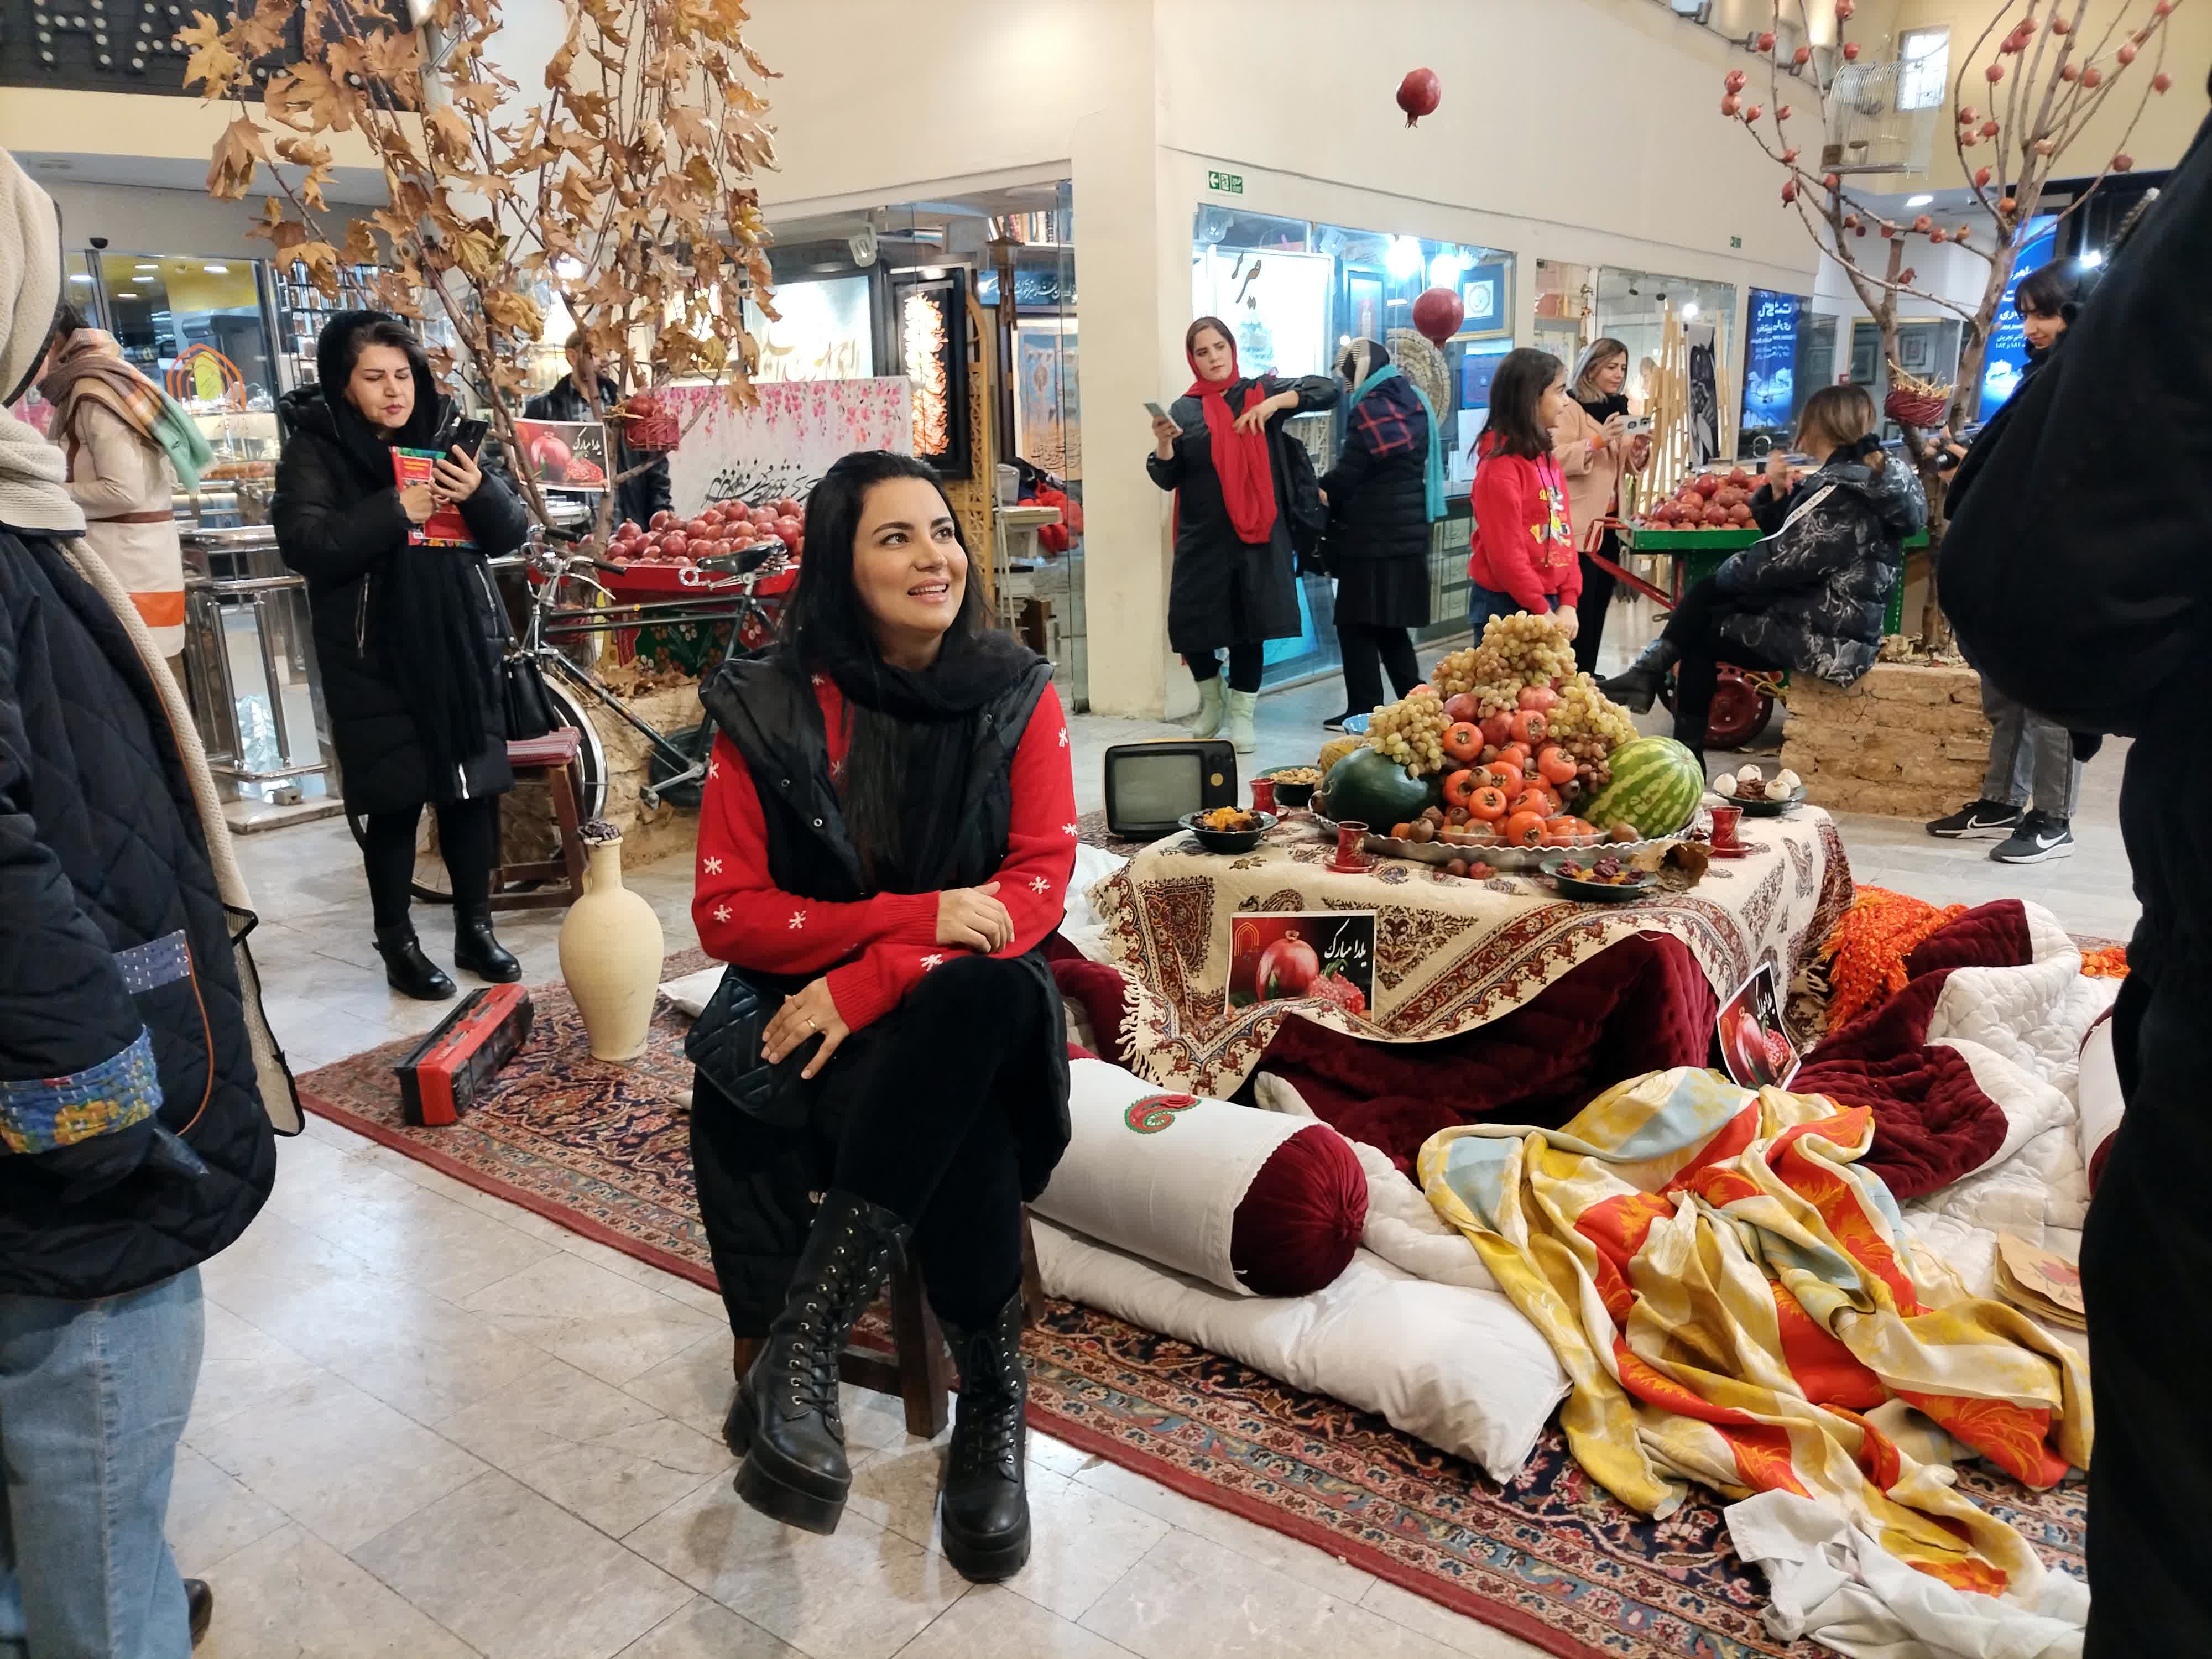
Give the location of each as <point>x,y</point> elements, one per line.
<point>755,1181</point>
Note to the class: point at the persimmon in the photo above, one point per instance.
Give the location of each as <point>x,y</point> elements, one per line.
<point>1401,832</point>
<point>1524,830</point>
<point>1529,725</point>
<point>1463,741</point>
<point>1487,803</point>
<point>1557,765</point>
<point>1506,776</point>
<point>1460,787</point>
<point>1536,799</point>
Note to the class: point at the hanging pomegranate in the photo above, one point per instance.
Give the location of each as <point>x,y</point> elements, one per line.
<point>1437,314</point>
<point>1766,42</point>
<point>2161,82</point>
<point>1850,48</point>
<point>2123,162</point>
<point>1418,94</point>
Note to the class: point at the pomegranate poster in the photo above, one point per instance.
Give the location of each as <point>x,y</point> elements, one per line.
<point>782,445</point>
<point>1288,958</point>
<point>565,454</point>
<point>1758,1051</point>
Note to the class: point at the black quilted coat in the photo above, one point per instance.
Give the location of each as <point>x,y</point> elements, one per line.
<point>100,851</point>
<point>338,520</point>
<point>1812,595</point>
<point>1378,518</point>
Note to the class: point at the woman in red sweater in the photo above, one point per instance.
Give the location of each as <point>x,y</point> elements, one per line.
<point>1523,555</point>
<point>885,842</point>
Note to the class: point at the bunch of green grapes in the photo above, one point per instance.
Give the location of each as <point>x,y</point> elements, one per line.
<point>1467,670</point>
<point>1412,732</point>
<point>1535,648</point>
<point>1585,718</point>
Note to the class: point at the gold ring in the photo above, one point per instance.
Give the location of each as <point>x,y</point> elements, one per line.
<point>812,1025</point>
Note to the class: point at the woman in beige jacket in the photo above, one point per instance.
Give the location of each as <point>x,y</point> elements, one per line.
<point>107,419</point>
<point>1595,449</point>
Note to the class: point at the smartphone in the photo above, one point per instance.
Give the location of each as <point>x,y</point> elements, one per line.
<point>1157,412</point>
<point>469,438</point>
<point>1639,424</point>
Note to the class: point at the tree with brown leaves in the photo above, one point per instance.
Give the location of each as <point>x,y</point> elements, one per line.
<point>2047,68</point>
<point>627,191</point>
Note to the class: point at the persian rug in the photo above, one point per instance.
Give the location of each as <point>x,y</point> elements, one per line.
<point>603,1151</point>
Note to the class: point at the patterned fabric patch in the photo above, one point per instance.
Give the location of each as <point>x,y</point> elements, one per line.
<point>42,1114</point>
<point>1154,1113</point>
<point>156,962</point>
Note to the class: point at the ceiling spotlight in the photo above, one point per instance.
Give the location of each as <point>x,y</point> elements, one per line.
<point>2092,259</point>
<point>1689,309</point>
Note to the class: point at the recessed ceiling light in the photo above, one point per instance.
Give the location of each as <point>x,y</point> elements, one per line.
<point>79,277</point>
<point>1918,201</point>
<point>216,270</point>
<point>1689,309</point>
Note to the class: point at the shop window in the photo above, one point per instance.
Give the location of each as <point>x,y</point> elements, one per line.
<point>1924,67</point>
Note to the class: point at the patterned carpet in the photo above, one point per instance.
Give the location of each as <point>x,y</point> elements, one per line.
<point>602,1149</point>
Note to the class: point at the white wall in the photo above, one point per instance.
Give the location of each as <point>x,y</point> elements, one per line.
<point>137,219</point>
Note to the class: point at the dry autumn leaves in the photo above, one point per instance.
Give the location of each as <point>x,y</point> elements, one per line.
<point>625,190</point>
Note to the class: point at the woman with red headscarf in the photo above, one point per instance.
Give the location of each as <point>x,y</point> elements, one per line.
<point>1235,581</point>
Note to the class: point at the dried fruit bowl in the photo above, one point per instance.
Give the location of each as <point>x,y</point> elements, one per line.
<point>1227,840</point>
<point>1593,892</point>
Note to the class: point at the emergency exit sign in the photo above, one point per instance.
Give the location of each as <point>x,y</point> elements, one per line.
<point>1229,184</point>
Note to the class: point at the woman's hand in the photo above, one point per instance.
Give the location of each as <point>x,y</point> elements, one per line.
<point>1640,450</point>
<point>972,919</point>
<point>1164,433</point>
<point>418,501</point>
<point>1256,415</point>
<point>455,475</point>
<point>1569,623</point>
<point>1615,429</point>
<point>811,1010</point>
<point>1779,477</point>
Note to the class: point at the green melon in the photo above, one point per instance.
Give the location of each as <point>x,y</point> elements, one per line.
<point>1368,786</point>
<point>1656,785</point>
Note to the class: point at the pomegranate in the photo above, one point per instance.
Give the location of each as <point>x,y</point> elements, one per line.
<point>1730,104</point>
<point>1437,313</point>
<point>2161,82</point>
<point>549,455</point>
<point>786,508</point>
<point>2122,161</point>
<point>2092,76</point>
<point>1541,698</point>
<point>1844,8</point>
<point>1990,129</point>
<point>1789,157</point>
<point>1994,74</point>
<point>1802,56</point>
<point>2126,54</point>
<point>1732,82</point>
<point>2070,72</point>
<point>1766,40</point>
<point>1754,113</point>
<point>1418,94</point>
<point>675,544</point>
<point>1782,114</point>
<point>1288,968</point>
<point>1462,707</point>
<point>1850,48</point>
<point>663,520</point>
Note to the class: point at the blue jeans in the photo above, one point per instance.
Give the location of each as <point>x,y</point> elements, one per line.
<point>93,1399</point>
<point>1483,604</point>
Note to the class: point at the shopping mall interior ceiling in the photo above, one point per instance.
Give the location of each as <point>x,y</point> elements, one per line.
<point>172,173</point>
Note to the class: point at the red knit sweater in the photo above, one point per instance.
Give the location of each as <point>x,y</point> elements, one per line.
<point>874,950</point>
<point>1523,545</point>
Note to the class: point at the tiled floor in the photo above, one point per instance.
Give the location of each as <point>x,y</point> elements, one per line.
<point>431,1424</point>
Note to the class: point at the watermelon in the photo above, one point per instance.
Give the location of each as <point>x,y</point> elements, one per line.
<point>1367,787</point>
<point>1656,785</point>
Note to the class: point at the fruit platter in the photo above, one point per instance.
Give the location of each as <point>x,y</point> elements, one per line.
<point>1508,754</point>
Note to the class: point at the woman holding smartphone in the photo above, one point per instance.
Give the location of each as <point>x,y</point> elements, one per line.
<point>408,636</point>
<point>1595,451</point>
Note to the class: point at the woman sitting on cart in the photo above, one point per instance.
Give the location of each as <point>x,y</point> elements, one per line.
<point>885,843</point>
<point>1810,598</point>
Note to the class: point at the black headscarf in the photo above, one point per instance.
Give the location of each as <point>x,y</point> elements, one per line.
<point>908,786</point>
<point>426,620</point>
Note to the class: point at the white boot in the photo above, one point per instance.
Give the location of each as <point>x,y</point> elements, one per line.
<point>1210,708</point>
<point>1241,735</point>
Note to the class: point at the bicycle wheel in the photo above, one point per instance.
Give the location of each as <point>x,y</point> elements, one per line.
<point>528,828</point>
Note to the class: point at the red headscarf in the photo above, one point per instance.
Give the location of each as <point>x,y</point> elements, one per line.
<point>1240,458</point>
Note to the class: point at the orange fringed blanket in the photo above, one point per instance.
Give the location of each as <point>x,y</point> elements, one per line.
<point>1865,952</point>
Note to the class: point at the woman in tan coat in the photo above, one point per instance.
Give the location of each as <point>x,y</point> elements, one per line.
<point>118,432</point>
<point>1595,449</point>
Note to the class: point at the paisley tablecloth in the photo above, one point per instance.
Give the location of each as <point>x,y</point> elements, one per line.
<point>1449,954</point>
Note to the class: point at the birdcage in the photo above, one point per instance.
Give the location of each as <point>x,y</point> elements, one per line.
<point>1871,128</point>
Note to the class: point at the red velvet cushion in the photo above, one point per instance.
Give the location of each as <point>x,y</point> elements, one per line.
<point>1301,1220</point>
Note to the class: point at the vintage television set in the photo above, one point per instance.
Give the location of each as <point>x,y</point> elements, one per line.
<point>1149,785</point>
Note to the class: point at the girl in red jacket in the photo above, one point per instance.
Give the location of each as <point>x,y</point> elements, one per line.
<point>1523,555</point>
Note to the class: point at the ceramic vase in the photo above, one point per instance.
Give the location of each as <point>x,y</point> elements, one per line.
<point>610,950</point>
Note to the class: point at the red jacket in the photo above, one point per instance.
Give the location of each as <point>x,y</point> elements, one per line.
<point>1524,546</point>
<point>874,951</point>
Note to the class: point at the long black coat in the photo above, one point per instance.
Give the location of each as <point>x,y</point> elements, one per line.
<point>100,852</point>
<point>635,499</point>
<point>1223,591</point>
<point>755,1179</point>
<point>1813,594</point>
<point>1378,510</point>
<point>338,523</point>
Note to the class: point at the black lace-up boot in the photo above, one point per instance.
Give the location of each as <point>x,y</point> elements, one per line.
<point>786,1420</point>
<point>1638,686</point>
<point>984,1505</point>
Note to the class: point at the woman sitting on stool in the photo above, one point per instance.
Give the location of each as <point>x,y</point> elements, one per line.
<point>1811,597</point>
<point>885,842</point>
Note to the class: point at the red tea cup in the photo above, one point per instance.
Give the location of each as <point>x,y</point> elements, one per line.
<point>1725,819</point>
<point>1350,855</point>
<point>1263,795</point>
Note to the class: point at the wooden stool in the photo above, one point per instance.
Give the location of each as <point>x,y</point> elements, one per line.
<point>919,1368</point>
<point>551,758</point>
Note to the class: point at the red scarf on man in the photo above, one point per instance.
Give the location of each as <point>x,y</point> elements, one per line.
<point>1240,458</point>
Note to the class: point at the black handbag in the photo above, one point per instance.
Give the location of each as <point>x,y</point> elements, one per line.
<point>725,1045</point>
<point>527,705</point>
<point>1309,513</point>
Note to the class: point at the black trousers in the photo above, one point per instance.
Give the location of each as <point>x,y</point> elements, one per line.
<point>1368,649</point>
<point>1247,663</point>
<point>1694,629</point>
<point>2147,1250</point>
<point>466,831</point>
<point>1598,584</point>
<point>917,1115</point>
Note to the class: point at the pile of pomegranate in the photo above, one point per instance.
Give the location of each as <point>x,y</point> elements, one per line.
<point>1709,501</point>
<point>724,528</point>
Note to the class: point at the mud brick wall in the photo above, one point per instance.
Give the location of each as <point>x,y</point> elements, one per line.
<point>1906,741</point>
<point>648,833</point>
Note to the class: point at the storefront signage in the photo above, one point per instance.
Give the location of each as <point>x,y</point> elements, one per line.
<point>2006,359</point>
<point>1229,184</point>
<point>1770,379</point>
